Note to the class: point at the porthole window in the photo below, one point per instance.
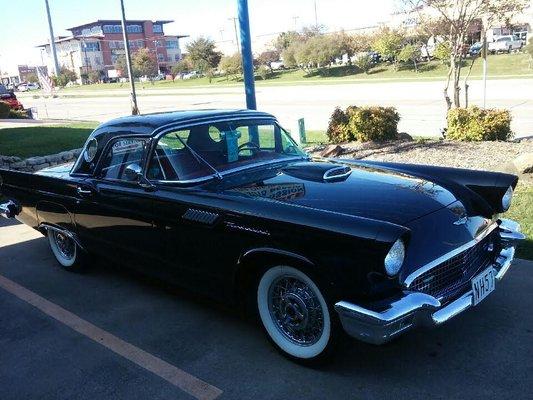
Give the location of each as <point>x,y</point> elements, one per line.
<point>90,150</point>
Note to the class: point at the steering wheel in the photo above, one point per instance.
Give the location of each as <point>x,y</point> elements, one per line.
<point>249,146</point>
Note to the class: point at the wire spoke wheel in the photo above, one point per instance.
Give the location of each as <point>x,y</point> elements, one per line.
<point>294,312</point>
<point>295,309</point>
<point>63,247</point>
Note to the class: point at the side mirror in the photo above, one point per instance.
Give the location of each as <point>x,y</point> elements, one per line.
<point>133,172</point>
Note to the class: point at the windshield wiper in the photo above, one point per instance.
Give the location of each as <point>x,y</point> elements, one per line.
<point>200,159</point>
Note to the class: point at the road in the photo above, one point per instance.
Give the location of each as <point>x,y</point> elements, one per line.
<point>420,103</point>
<point>59,334</point>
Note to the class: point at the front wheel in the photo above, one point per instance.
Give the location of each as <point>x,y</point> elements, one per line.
<point>295,314</point>
<point>66,251</point>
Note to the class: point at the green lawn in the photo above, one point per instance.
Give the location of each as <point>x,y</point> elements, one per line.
<point>522,211</point>
<point>43,140</point>
<point>501,65</point>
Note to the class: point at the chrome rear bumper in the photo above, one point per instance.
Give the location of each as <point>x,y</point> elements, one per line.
<point>413,309</point>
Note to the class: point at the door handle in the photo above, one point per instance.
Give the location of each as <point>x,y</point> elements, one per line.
<point>84,192</point>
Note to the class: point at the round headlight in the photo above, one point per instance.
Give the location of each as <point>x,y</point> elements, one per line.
<point>395,257</point>
<point>506,199</point>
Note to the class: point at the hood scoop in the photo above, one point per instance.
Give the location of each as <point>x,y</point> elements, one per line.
<point>318,171</point>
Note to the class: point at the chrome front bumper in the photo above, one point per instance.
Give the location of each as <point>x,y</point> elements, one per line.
<point>8,210</point>
<point>414,309</point>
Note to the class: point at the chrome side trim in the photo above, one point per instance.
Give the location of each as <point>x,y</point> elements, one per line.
<point>411,277</point>
<point>64,231</point>
<point>234,226</point>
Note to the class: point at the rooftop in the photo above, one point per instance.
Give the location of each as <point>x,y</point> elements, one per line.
<point>117,21</point>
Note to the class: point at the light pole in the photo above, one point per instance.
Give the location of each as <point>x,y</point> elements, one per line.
<point>236,35</point>
<point>52,41</point>
<point>134,108</point>
<point>247,57</point>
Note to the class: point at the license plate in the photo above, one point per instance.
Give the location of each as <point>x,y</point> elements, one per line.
<point>483,284</point>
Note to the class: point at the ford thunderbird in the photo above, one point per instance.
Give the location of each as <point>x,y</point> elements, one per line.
<point>225,203</point>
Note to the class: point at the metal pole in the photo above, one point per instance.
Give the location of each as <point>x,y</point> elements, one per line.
<point>484,68</point>
<point>316,17</point>
<point>236,35</point>
<point>134,108</point>
<point>52,40</point>
<point>247,57</point>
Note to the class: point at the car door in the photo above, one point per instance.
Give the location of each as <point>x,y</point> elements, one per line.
<point>114,215</point>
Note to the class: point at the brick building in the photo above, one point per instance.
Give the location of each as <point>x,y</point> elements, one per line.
<point>95,46</point>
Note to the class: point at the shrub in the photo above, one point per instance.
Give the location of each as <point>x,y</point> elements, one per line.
<point>4,110</point>
<point>363,124</point>
<point>338,127</point>
<point>18,114</point>
<point>263,72</point>
<point>477,124</point>
<point>374,123</point>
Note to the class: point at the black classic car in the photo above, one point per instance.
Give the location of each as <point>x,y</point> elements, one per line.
<point>225,203</point>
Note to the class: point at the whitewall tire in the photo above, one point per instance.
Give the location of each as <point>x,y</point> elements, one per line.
<point>294,313</point>
<point>65,250</point>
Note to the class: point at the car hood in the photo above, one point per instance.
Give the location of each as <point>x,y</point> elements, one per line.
<point>363,191</point>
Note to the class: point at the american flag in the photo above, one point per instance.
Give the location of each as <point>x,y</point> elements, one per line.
<point>44,80</point>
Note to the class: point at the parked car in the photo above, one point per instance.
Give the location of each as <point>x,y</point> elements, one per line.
<point>225,203</point>
<point>505,44</point>
<point>191,75</point>
<point>475,49</point>
<point>26,86</point>
<point>8,97</point>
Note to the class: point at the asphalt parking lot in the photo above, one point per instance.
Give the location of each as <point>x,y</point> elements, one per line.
<point>112,334</point>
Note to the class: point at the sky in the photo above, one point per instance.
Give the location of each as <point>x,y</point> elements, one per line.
<point>24,24</point>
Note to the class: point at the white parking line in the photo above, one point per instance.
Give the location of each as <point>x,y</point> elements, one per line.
<point>179,378</point>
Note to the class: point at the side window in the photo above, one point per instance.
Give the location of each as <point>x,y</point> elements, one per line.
<point>173,161</point>
<point>122,153</point>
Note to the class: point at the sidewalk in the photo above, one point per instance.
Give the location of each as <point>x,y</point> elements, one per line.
<point>20,123</point>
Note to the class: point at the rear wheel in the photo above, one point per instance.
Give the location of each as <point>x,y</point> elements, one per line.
<point>295,314</point>
<point>66,251</point>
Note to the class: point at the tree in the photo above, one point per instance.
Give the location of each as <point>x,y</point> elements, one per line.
<point>182,66</point>
<point>231,65</point>
<point>32,78</point>
<point>529,50</point>
<point>267,57</point>
<point>120,65</point>
<point>65,76</point>
<point>388,43</point>
<point>202,54</point>
<point>458,17</point>
<point>289,55</point>
<point>409,53</point>
<point>286,39</point>
<point>442,52</point>
<point>364,62</point>
<point>94,76</point>
<point>144,63</point>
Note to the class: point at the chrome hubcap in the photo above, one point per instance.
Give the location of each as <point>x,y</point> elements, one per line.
<point>296,311</point>
<point>65,245</point>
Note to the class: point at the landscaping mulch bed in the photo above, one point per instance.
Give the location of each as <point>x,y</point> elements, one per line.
<point>492,156</point>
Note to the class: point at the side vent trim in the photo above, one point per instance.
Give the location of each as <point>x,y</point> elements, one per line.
<point>202,217</point>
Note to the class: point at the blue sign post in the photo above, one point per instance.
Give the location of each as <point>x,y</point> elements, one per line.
<point>247,57</point>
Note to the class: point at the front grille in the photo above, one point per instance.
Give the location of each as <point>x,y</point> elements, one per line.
<point>453,275</point>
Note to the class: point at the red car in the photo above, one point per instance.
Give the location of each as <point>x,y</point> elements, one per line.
<point>10,99</point>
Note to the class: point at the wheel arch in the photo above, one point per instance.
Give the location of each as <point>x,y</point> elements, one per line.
<point>252,263</point>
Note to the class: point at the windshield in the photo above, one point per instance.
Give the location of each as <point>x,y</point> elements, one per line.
<point>204,150</point>
<point>3,89</point>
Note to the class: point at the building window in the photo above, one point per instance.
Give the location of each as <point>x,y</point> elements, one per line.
<point>158,43</point>
<point>134,28</point>
<point>112,29</point>
<point>172,44</point>
<point>116,44</point>
<point>158,28</point>
<point>160,57</point>
<point>91,46</point>
<point>176,57</point>
<point>97,61</point>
